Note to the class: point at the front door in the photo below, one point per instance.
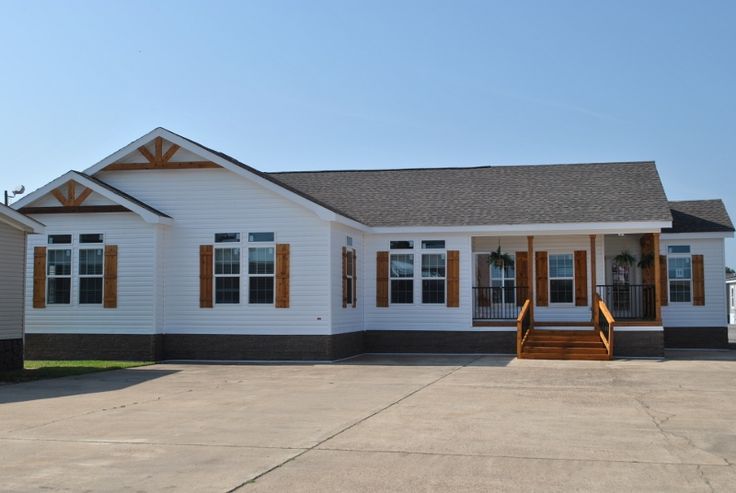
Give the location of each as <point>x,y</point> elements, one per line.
<point>503,281</point>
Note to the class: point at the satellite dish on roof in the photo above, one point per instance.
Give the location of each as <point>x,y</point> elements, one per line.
<point>20,189</point>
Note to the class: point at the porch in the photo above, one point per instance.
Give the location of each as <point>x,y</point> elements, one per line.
<point>549,284</point>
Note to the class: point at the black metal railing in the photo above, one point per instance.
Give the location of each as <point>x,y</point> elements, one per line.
<point>498,303</point>
<point>629,301</point>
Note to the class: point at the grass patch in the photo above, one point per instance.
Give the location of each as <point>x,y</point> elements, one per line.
<point>39,369</point>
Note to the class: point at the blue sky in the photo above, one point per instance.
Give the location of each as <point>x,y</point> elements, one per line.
<point>347,84</point>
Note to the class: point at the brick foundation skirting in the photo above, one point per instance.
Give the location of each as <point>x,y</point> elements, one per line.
<point>440,341</point>
<point>122,347</point>
<point>696,337</point>
<point>11,354</point>
<point>638,343</point>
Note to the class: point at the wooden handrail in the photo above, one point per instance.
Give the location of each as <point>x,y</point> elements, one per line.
<point>600,308</point>
<point>524,313</point>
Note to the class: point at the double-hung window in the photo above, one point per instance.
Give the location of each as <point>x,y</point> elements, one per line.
<point>59,270</point>
<point>433,277</point>
<point>679,271</point>
<point>349,275</point>
<point>261,268</point>
<point>91,267</point>
<point>561,278</point>
<point>227,268</point>
<point>401,273</point>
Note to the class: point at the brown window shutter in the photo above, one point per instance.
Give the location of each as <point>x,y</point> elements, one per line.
<point>522,276</point>
<point>282,275</point>
<point>39,277</point>
<point>698,281</point>
<point>344,277</point>
<point>664,287</point>
<point>205,276</point>
<point>581,278</point>
<point>540,259</point>
<point>453,278</point>
<point>110,297</point>
<point>382,279</point>
<point>355,279</point>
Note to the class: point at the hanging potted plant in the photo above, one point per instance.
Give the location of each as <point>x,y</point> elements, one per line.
<point>646,261</point>
<point>624,258</point>
<point>500,259</point>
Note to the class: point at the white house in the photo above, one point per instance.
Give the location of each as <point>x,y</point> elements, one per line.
<point>731,295</point>
<point>167,249</point>
<point>14,227</point>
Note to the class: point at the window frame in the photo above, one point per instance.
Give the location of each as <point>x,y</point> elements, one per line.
<point>90,247</point>
<point>422,278</point>
<point>392,278</point>
<point>66,247</point>
<point>680,255</point>
<point>259,245</point>
<point>571,278</point>
<point>350,275</point>
<point>227,245</point>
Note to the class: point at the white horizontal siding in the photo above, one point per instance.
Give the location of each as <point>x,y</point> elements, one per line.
<point>94,198</point>
<point>207,201</point>
<point>418,316</point>
<point>713,313</point>
<point>12,248</point>
<point>347,319</point>
<point>136,267</point>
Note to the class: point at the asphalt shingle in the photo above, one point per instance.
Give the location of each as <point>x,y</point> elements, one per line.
<point>699,216</point>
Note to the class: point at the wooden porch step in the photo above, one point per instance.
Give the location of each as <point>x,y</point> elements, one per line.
<point>558,343</point>
<point>565,356</point>
<point>564,344</point>
<point>566,350</point>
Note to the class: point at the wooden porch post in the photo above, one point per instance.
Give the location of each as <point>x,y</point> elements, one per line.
<point>657,279</point>
<point>593,280</point>
<point>530,275</point>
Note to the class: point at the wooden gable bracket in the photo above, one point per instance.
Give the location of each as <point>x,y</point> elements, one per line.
<point>71,199</point>
<point>160,159</point>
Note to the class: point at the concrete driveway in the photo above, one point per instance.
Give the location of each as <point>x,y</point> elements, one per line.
<point>378,423</point>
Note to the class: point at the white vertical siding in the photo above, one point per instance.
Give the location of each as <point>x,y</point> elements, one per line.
<point>136,277</point>
<point>347,319</point>
<point>418,316</point>
<point>713,313</point>
<point>12,248</point>
<point>208,201</point>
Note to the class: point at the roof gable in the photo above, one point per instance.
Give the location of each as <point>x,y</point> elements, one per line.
<point>72,189</point>
<point>19,221</point>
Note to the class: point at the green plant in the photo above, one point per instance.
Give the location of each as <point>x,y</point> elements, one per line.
<point>646,261</point>
<point>500,259</point>
<point>624,258</point>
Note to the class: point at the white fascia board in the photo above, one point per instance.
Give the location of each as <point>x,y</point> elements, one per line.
<point>144,213</point>
<point>15,219</point>
<point>534,229</point>
<point>696,236</point>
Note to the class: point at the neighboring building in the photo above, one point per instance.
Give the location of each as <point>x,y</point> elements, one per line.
<point>167,249</point>
<point>731,297</point>
<point>14,227</point>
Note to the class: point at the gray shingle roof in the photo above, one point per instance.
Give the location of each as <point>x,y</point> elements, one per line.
<point>490,195</point>
<point>699,216</point>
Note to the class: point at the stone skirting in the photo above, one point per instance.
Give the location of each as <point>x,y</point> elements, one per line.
<point>122,347</point>
<point>11,354</point>
<point>696,337</point>
<point>634,343</point>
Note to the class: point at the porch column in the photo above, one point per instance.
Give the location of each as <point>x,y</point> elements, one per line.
<point>593,280</point>
<point>530,274</point>
<point>657,278</point>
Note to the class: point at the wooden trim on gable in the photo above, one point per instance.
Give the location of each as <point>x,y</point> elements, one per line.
<point>74,209</point>
<point>169,165</point>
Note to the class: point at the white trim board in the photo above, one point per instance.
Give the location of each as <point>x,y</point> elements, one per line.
<point>20,221</point>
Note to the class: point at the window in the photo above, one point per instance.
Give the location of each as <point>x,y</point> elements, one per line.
<point>402,277</point>
<point>349,240</point>
<point>91,238</point>
<point>227,237</point>
<point>227,275</point>
<point>90,275</point>
<point>679,271</point>
<point>60,239</point>
<point>560,278</point>
<point>256,237</point>
<point>349,275</point>
<point>260,275</point>
<point>427,244</point>
<point>401,245</point>
<point>433,278</point>
<point>503,280</point>
<point>59,272</point>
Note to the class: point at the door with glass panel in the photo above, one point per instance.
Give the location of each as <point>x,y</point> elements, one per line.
<point>503,292</point>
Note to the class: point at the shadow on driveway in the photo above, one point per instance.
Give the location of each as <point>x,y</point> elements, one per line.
<point>89,383</point>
